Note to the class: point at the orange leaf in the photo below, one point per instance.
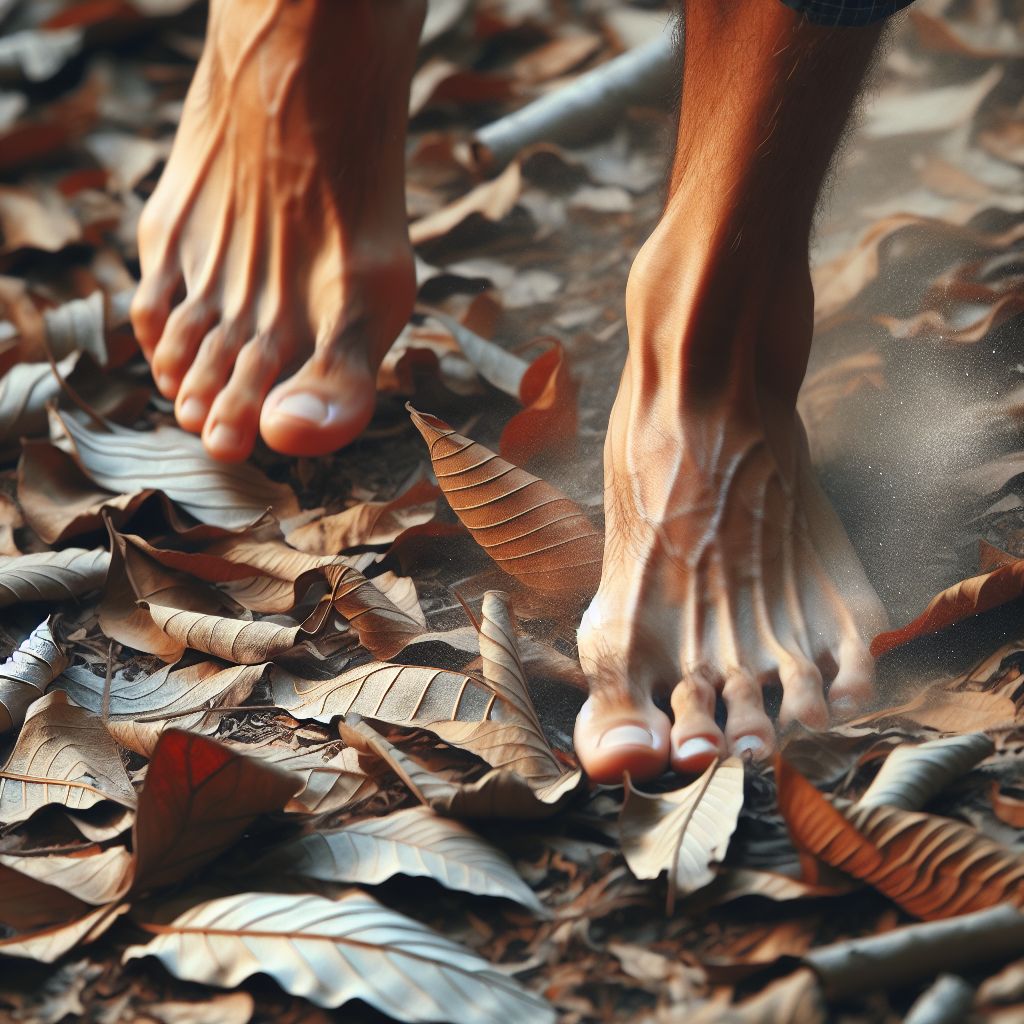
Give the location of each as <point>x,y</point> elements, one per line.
<point>970,597</point>
<point>531,529</point>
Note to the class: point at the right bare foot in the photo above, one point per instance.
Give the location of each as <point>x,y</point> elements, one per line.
<point>276,240</point>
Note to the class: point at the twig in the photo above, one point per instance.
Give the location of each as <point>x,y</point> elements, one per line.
<point>587,105</point>
<point>906,955</point>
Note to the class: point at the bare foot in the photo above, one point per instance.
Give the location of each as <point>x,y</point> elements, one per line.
<point>276,242</point>
<point>726,570</point>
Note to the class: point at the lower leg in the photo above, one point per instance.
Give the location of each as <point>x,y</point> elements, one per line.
<point>276,240</point>
<point>725,568</point>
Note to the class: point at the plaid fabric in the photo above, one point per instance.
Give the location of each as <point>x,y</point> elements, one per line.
<point>846,12</point>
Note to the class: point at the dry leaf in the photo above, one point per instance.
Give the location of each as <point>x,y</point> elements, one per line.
<point>932,867</point>
<point>24,677</point>
<point>49,944</point>
<point>60,502</point>
<point>28,903</point>
<point>947,711</point>
<point>493,200</point>
<point>138,710</point>
<point>383,628</point>
<point>415,842</point>
<point>332,951</point>
<point>549,418</point>
<point>500,793</point>
<point>330,785</point>
<point>63,756</point>
<point>961,601</point>
<point>198,798</point>
<point>173,461</point>
<point>913,774</point>
<point>530,529</point>
<point>370,522</point>
<point>683,831</point>
<point>52,575</point>
<point>25,391</point>
<point>244,643</point>
<point>95,877</point>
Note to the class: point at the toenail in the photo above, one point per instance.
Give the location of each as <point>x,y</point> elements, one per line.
<point>165,383</point>
<point>192,409</point>
<point>748,745</point>
<point>304,406</point>
<point>627,736</point>
<point>695,748</point>
<point>224,438</point>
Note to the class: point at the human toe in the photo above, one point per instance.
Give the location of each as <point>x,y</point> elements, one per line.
<point>696,737</point>
<point>615,738</point>
<point>853,687</point>
<point>322,408</point>
<point>803,696</point>
<point>177,347</point>
<point>748,730</point>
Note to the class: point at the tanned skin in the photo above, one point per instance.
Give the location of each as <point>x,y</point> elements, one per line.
<point>276,244</point>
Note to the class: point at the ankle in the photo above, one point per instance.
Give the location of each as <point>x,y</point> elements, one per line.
<point>712,314</point>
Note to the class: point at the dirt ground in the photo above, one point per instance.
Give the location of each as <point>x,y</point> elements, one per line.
<point>914,408</point>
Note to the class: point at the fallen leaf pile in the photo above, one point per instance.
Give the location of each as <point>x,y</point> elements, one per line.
<point>292,735</point>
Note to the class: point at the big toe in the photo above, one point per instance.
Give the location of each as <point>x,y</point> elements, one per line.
<point>320,409</point>
<point>613,740</point>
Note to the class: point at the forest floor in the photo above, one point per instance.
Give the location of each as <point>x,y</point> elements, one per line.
<point>259,764</point>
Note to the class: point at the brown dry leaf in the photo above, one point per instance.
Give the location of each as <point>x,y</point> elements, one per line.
<point>913,774</point>
<point>24,677</point>
<point>932,867</point>
<point>383,628</point>
<point>549,419</point>
<point>531,530</point>
<point>244,643</point>
<point>60,502</point>
<point>928,110</point>
<point>63,756</point>
<point>330,784</point>
<point>555,58</point>
<point>684,831</point>
<point>1008,809</point>
<point>52,575</point>
<point>93,876</point>
<point>49,944</point>
<point>233,1008</point>
<point>946,711</point>
<point>135,578</point>
<point>441,81</point>
<point>370,522</point>
<point>461,710</point>
<point>494,199</point>
<point>25,390</point>
<point>333,950</point>
<point>35,218</point>
<point>198,798</point>
<point>28,903</point>
<point>172,461</point>
<point>988,42</point>
<point>500,793</point>
<point>136,711</point>
<point>795,999</point>
<point>261,572</point>
<point>44,129</point>
<point>961,601</point>
<point>415,842</point>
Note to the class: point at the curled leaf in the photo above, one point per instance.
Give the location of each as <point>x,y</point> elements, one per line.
<point>52,575</point>
<point>913,774</point>
<point>96,877</point>
<point>245,643</point>
<point>49,944</point>
<point>531,530</point>
<point>383,628</point>
<point>932,867</point>
<point>27,673</point>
